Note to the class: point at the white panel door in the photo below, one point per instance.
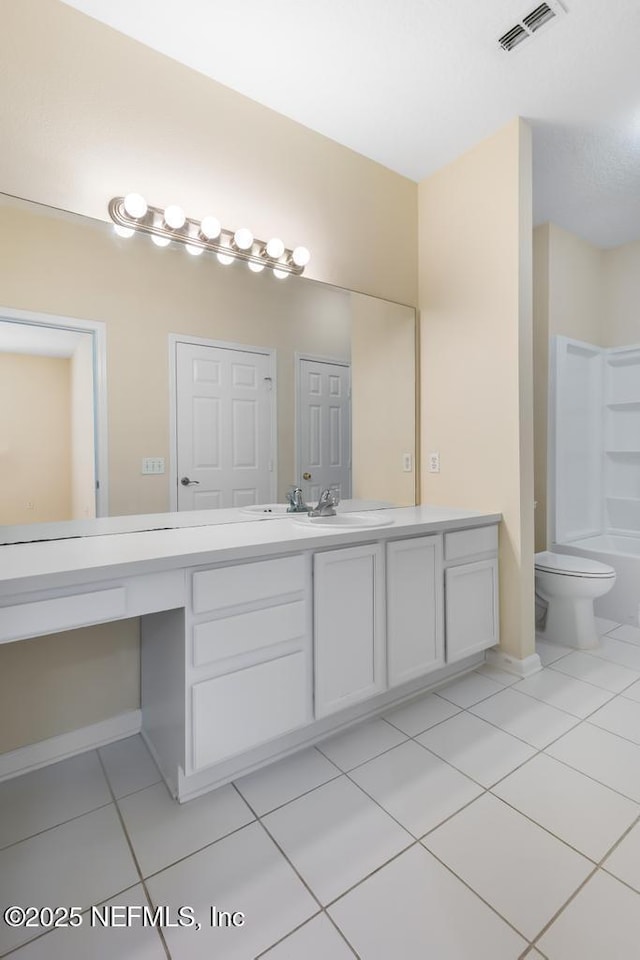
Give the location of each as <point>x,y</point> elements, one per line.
<point>348,626</point>
<point>415,630</point>
<point>225,427</point>
<point>324,428</point>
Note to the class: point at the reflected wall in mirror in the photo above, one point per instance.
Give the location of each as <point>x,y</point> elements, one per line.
<point>149,299</point>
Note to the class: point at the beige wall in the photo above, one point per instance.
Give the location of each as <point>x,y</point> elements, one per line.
<point>97,114</point>
<point>476,350</point>
<point>621,282</point>
<point>87,114</point>
<point>585,293</point>
<point>383,403</point>
<point>568,300</point>
<point>35,438</point>
<point>51,685</point>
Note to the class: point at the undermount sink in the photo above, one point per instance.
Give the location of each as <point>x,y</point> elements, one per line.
<point>345,521</point>
<point>266,509</point>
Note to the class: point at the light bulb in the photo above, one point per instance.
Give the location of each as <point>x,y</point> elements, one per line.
<point>193,250</point>
<point>135,205</point>
<point>123,231</point>
<point>225,258</point>
<point>160,241</point>
<point>280,274</point>
<point>256,267</point>
<point>243,239</point>
<point>275,248</point>
<point>174,217</point>
<point>301,256</point>
<point>210,228</point>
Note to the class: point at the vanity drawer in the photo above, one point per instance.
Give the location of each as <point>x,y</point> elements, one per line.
<point>247,583</point>
<point>61,613</point>
<point>240,710</point>
<point>248,632</point>
<point>468,543</point>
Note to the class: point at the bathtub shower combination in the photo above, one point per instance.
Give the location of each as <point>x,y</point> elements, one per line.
<point>594,465</point>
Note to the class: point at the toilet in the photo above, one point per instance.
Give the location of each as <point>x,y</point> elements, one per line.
<point>569,585</point>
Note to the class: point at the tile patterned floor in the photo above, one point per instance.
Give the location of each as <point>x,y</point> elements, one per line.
<point>493,819</point>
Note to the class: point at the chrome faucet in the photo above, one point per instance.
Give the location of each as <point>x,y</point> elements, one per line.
<point>327,504</point>
<point>295,501</point>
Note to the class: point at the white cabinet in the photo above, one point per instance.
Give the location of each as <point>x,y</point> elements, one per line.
<point>471,608</point>
<point>272,652</point>
<point>348,626</point>
<point>415,632</point>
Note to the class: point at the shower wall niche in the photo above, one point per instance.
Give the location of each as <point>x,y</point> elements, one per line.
<point>594,440</point>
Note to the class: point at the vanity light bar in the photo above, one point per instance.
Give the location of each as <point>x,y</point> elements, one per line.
<point>132,214</point>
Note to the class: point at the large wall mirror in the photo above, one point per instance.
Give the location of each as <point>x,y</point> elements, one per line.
<point>125,369</point>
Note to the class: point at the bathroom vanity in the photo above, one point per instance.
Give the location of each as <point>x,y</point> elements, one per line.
<point>259,637</point>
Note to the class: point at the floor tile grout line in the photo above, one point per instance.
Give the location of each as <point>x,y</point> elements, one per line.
<point>598,866</point>
<point>615,845</point>
<point>285,803</point>
<point>527,939</point>
<point>565,763</point>
<point>192,853</point>
<point>490,789</point>
<point>296,871</point>
<point>598,686</point>
<point>46,933</point>
<point>614,733</point>
<point>412,736</point>
<point>562,908</point>
<point>419,841</point>
<point>133,855</point>
<point>40,833</point>
<point>362,762</point>
<point>564,710</point>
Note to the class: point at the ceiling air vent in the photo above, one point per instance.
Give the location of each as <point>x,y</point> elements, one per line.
<point>543,14</point>
<point>538,17</point>
<point>513,37</point>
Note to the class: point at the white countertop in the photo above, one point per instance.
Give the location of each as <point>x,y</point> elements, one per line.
<point>44,564</point>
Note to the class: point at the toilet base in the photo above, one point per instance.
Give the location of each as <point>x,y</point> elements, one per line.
<point>571,623</point>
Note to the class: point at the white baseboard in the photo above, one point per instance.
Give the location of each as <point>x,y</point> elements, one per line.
<point>505,661</point>
<point>40,754</point>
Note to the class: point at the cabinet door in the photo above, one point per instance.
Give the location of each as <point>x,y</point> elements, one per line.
<point>348,627</point>
<point>237,711</point>
<point>415,634</point>
<point>471,608</point>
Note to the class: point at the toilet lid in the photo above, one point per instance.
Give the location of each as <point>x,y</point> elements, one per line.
<point>571,566</point>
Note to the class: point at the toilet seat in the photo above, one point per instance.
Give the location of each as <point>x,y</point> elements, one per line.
<point>567,565</point>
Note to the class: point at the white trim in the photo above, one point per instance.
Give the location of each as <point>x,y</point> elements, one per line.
<point>297,442</point>
<point>174,340</point>
<point>98,331</point>
<point>520,668</point>
<point>41,754</point>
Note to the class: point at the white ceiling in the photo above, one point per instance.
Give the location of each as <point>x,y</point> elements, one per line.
<point>38,340</point>
<point>414,83</point>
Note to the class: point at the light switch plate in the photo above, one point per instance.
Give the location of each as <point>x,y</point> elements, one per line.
<point>153,465</point>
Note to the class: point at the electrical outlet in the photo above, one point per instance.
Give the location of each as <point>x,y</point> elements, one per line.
<point>434,462</point>
<point>154,465</point>
<point>407,462</point>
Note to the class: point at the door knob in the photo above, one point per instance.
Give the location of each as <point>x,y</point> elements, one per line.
<point>187,483</point>
<point>306,476</point>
